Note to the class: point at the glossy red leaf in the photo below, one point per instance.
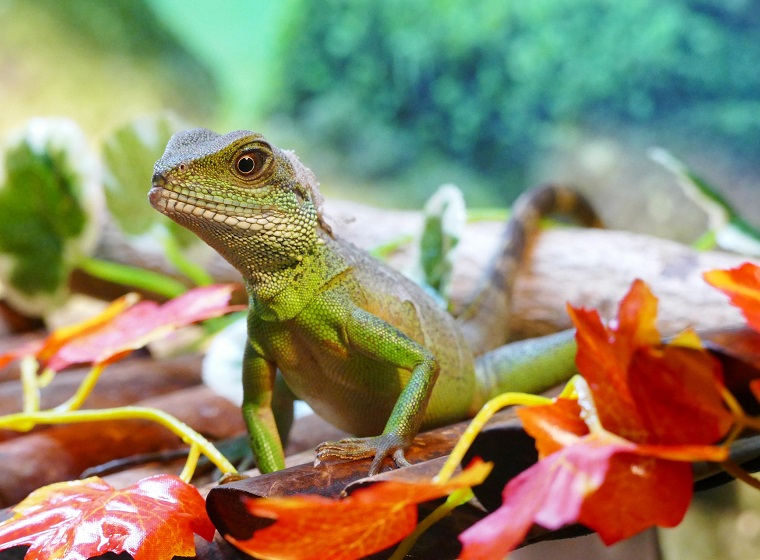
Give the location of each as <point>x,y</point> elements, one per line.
<point>645,391</point>
<point>154,519</point>
<point>754,386</point>
<point>677,392</point>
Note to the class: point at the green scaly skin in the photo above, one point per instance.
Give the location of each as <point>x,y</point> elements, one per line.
<point>368,349</point>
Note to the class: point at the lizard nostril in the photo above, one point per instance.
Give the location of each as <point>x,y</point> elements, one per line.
<point>158,180</point>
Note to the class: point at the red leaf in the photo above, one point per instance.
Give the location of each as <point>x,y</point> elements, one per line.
<point>742,286</point>
<point>644,391</point>
<point>603,359</point>
<point>677,393</point>
<point>369,520</point>
<point>549,493</point>
<point>152,520</point>
<point>659,407</point>
<point>609,484</point>
<point>143,323</point>
<point>638,492</point>
<point>126,326</point>
<point>754,386</point>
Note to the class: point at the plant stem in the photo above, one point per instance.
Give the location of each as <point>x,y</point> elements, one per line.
<point>20,421</point>
<point>135,277</point>
<point>83,391</point>
<point>455,499</point>
<point>196,274</point>
<point>477,423</point>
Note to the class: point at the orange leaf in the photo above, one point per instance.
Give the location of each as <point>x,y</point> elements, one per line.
<point>152,520</point>
<point>553,426</point>
<point>369,520</point>
<point>742,286</point>
<point>143,323</point>
<point>754,386</point>
<point>64,335</point>
<point>604,356</point>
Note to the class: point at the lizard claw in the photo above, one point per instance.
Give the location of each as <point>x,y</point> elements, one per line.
<point>379,447</point>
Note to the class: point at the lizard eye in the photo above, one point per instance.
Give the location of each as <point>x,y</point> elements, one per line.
<point>249,164</point>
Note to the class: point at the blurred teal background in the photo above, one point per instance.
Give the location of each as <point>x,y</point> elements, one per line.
<point>387,100</point>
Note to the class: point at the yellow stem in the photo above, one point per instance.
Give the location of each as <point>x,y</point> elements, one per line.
<point>477,423</point>
<point>732,404</point>
<point>192,462</point>
<point>569,391</point>
<point>21,421</point>
<point>45,378</point>
<point>83,391</point>
<point>29,384</point>
<point>742,420</point>
<point>456,499</point>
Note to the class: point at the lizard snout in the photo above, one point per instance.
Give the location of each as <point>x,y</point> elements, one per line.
<point>156,193</point>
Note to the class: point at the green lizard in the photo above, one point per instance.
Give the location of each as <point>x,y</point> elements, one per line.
<point>368,349</point>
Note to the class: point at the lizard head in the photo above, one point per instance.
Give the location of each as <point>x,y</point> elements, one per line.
<point>241,195</point>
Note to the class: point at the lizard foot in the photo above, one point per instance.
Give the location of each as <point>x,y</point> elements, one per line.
<point>379,447</point>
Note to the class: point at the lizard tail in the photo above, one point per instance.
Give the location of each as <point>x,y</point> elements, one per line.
<point>484,321</point>
<point>527,366</point>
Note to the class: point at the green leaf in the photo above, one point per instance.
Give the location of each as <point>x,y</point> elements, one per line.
<point>128,157</point>
<point>727,229</point>
<point>444,221</point>
<point>50,200</point>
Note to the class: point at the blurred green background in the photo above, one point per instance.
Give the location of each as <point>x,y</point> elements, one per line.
<point>387,100</point>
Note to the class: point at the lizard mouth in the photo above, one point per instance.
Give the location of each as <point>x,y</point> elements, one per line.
<point>174,205</point>
<point>156,198</point>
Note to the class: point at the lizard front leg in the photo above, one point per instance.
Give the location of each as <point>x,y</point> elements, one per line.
<point>258,387</point>
<point>384,343</point>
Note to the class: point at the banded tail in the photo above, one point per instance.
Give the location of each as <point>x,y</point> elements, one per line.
<point>485,319</point>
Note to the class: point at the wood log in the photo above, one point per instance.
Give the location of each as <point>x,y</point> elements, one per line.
<point>585,267</point>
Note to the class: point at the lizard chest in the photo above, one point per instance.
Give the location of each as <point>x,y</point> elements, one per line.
<point>347,388</point>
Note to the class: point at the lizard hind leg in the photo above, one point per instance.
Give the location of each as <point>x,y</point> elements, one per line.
<point>354,448</point>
